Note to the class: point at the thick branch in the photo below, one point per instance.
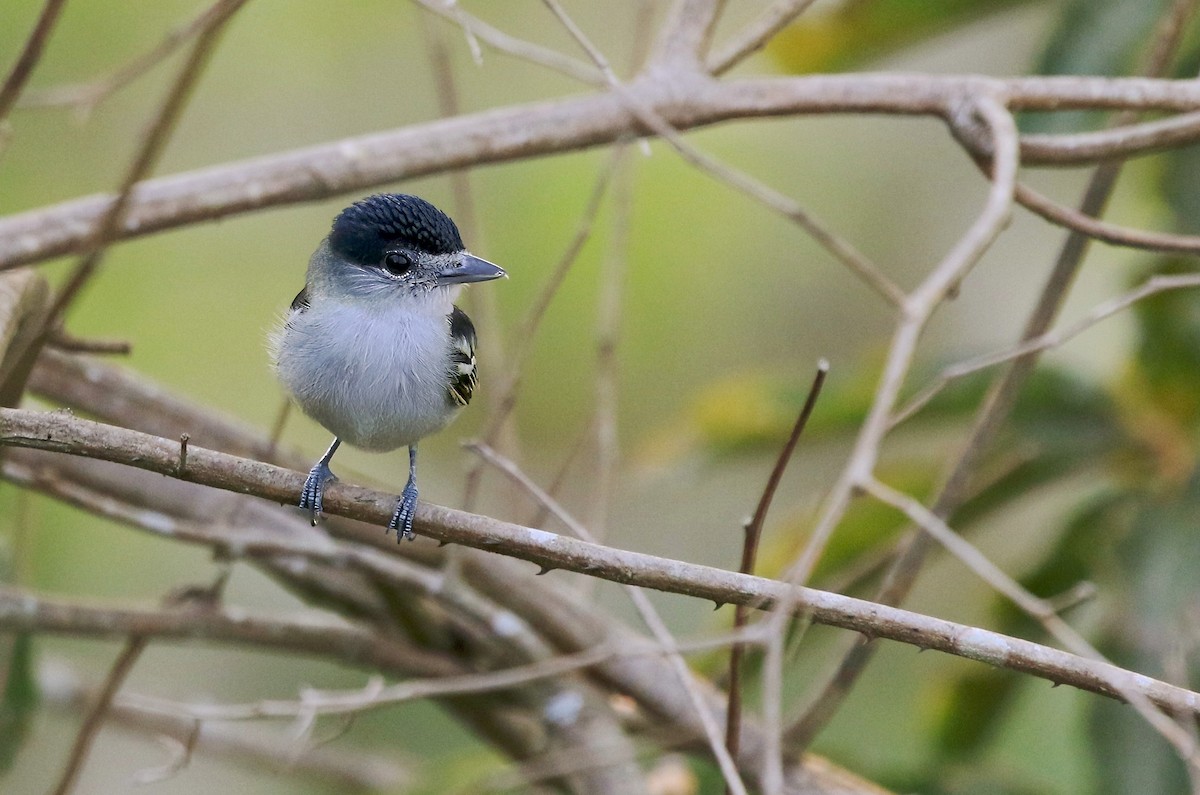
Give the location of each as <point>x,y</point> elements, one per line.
<point>23,612</point>
<point>61,432</point>
<point>524,131</point>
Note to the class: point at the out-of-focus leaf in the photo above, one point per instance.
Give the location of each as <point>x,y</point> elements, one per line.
<point>1151,625</point>
<point>1180,168</point>
<point>756,412</point>
<point>868,525</point>
<point>1077,556</point>
<point>745,412</point>
<point>1167,369</point>
<point>20,697</point>
<point>1060,424</point>
<point>977,702</point>
<point>1093,37</point>
<point>859,31</point>
<point>972,709</point>
<point>1101,37</point>
<point>1179,176</point>
<point>972,779</point>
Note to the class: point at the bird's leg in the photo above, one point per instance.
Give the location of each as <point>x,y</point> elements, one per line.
<point>314,488</point>
<point>406,506</point>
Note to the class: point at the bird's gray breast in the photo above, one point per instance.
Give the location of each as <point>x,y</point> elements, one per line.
<point>375,376</point>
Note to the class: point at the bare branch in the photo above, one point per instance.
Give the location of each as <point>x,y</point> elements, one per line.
<point>347,769</point>
<point>1076,221</point>
<point>1112,144</point>
<point>71,435</point>
<point>376,694</point>
<point>841,249</point>
<point>684,38</point>
<point>68,343</point>
<point>919,306</point>
<point>1179,737</point>
<point>353,164</point>
<point>22,611</point>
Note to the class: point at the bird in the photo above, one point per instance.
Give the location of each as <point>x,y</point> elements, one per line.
<point>374,347</point>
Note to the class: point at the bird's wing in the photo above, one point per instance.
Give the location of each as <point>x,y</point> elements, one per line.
<point>462,358</point>
<point>300,302</point>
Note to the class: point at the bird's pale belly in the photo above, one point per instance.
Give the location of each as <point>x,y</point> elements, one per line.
<point>371,389</point>
<point>375,419</point>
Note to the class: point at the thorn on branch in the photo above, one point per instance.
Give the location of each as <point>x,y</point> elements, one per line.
<point>183,451</point>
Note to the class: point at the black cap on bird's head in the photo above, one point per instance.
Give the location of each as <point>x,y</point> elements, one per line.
<point>365,230</point>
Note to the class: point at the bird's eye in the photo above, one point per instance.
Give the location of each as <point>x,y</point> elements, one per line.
<point>396,262</point>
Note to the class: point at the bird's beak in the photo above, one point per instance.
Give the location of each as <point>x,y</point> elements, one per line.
<point>470,269</point>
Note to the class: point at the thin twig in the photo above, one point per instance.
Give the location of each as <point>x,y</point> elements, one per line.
<point>753,533</point>
<point>1044,342</point>
<point>84,97</point>
<point>840,248</point>
<point>1116,143</point>
<point>64,341</point>
<point>476,28</point>
<point>1113,234</point>
<point>685,37</point>
<point>645,608</point>
<point>919,307</point>
<point>506,392</point>
<point>755,35</point>
<point>24,611</point>
<point>91,723</point>
<point>151,148</point>
<point>376,694</point>
<point>1182,739</point>
<point>345,769</point>
<point>608,335</point>
<point>31,53</point>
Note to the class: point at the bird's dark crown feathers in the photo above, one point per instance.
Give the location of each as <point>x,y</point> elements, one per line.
<point>368,228</point>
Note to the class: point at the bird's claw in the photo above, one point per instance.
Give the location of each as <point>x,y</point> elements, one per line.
<point>406,508</point>
<point>312,497</point>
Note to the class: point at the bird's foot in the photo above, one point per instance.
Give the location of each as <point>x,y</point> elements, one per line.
<point>406,508</point>
<point>312,497</point>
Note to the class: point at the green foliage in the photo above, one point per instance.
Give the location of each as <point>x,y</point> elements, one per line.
<point>19,700</point>
<point>1150,629</point>
<point>1093,37</point>
<point>1166,372</point>
<point>860,31</point>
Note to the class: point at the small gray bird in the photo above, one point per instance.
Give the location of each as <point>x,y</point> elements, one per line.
<point>373,347</point>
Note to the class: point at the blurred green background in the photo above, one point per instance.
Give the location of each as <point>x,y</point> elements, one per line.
<point>726,309</point>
